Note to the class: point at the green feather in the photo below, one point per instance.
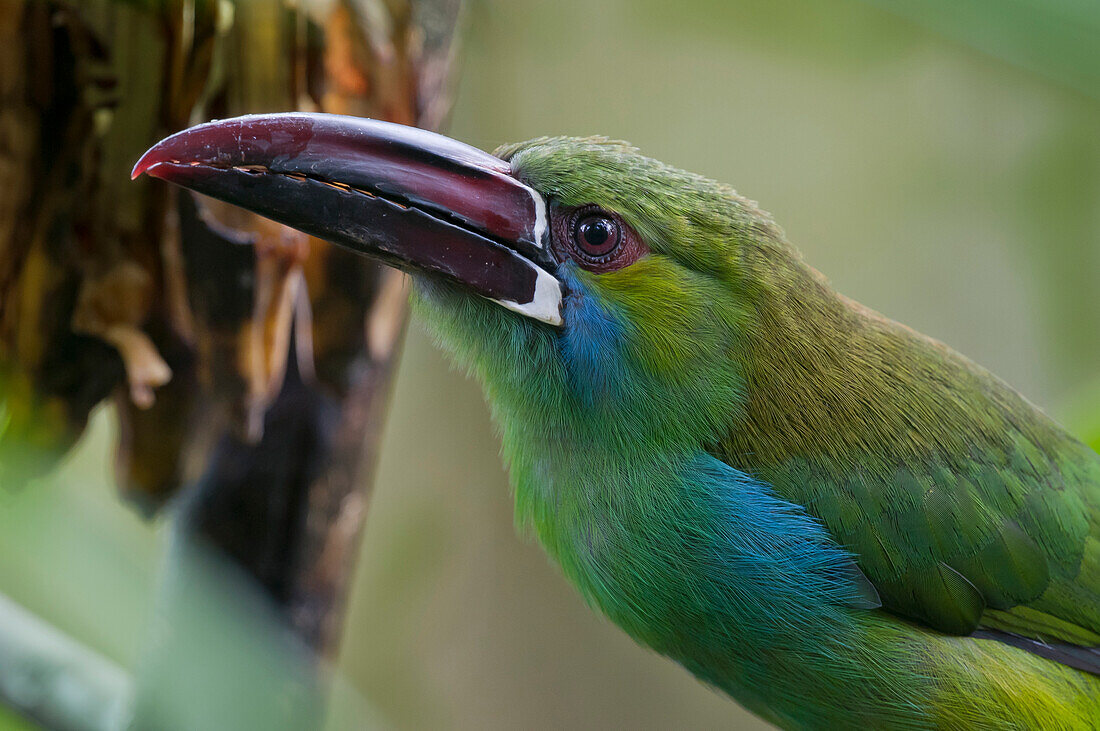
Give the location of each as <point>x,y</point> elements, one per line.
<point>832,518</point>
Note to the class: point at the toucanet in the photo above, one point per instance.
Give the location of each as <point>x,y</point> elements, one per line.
<point>834,519</point>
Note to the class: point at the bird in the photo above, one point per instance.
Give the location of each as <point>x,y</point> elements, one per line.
<point>833,519</point>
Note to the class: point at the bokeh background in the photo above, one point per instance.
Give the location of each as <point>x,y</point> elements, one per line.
<point>938,161</point>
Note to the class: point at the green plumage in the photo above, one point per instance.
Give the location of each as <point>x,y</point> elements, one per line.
<point>836,520</point>
<point>955,493</point>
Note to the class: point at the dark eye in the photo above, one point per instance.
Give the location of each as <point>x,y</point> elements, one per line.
<point>597,235</point>
<point>593,238</point>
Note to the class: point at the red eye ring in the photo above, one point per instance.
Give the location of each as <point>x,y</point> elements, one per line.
<point>596,235</point>
<point>594,238</point>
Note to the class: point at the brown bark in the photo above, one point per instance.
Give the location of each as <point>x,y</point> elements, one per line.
<point>247,361</point>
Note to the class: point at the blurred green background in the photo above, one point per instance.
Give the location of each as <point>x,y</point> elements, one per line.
<point>939,162</point>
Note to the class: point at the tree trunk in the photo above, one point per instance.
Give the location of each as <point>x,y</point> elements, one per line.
<point>249,364</point>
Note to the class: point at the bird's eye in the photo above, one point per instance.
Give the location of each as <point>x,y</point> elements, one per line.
<point>597,236</point>
<point>594,238</point>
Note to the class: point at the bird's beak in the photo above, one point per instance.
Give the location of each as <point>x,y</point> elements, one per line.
<point>413,199</point>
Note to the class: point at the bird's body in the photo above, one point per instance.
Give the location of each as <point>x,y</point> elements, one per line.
<point>836,520</point>
<point>717,459</point>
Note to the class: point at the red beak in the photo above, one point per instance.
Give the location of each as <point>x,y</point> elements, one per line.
<point>414,199</point>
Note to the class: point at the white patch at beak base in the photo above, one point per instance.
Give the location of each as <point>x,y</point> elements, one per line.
<point>545,305</point>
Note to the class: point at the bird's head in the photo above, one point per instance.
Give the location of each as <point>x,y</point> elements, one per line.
<point>599,295</point>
